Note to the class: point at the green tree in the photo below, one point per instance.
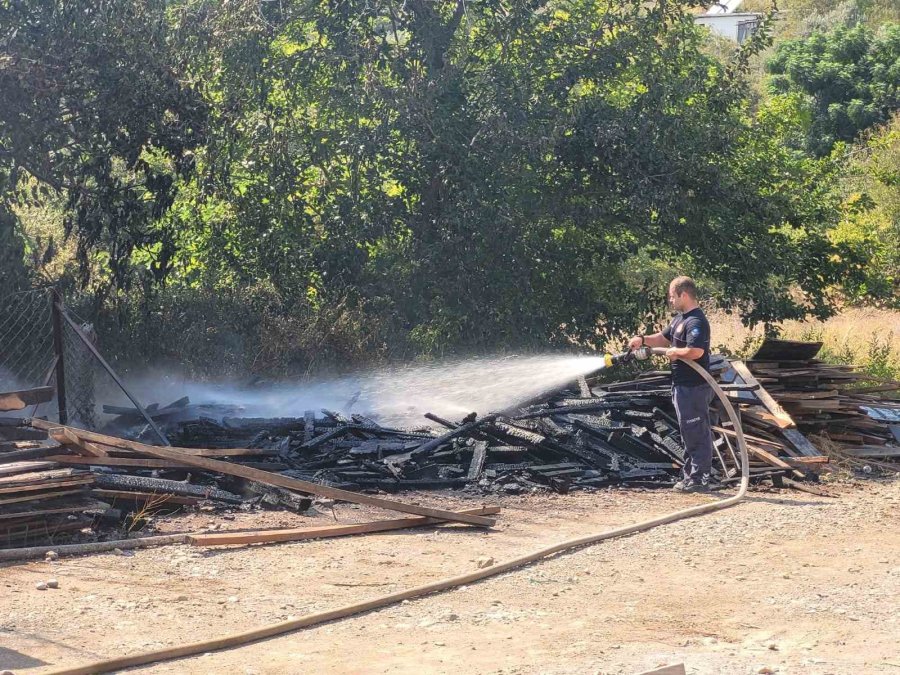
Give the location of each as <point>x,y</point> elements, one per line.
<point>457,175</point>
<point>92,106</point>
<point>871,215</point>
<point>850,75</point>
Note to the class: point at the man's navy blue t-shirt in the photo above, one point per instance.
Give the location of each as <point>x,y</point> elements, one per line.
<point>690,329</point>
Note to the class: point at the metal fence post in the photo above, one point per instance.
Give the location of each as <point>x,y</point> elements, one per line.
<point>55,302</point>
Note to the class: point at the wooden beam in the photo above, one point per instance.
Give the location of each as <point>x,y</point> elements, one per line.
<point>48,484</point>
<point>117,461</point>
<point>66,437</point>
<point>30,453</point>
<point>270,536</point>
<point>755,439</point>
<point>801,442</point>
<point>872,451</point>
<point>14,468</point>
<point>782,419</point>
<point>122,444</point>
<point>476,466</point>
<point>36,496</point>
<point>805,461</point>
<point>769,458</point>
<point>17,400</point>
<point>279,480</point>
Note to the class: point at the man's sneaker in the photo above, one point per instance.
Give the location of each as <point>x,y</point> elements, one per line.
<point>711,483</point>
<point>689,486</point>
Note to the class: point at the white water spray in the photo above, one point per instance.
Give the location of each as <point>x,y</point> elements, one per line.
<point>401,395</point>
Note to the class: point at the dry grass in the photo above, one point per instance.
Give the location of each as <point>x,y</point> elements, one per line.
<point>869,338</point>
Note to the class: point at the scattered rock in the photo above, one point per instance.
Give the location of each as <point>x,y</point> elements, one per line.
<point>51,556</point>
<point>118,551</point>
<point>484,561</point>
<point>41,586</point>
<point>52,583</point>
<point>767,670</point>
<point>232,598</point>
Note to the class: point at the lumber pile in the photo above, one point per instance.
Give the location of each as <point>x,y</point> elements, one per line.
<point>847,409</point>
<point>586,435</point>
<point>57,480</point>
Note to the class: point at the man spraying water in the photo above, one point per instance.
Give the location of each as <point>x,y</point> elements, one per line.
<point>688,338</point>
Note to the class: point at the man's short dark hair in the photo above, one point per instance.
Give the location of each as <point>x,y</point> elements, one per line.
<point>681,285</point>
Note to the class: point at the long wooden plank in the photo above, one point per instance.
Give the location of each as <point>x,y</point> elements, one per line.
<point>872,451</point>
<point>268,536</point>
<point>30,453</point>
<point>17,400</point>
<point>805,461</point>
<point>782,419</point>
<point>801,442</point>
<point>278,480</point>
<point>755,439</point>
<point>76,460</point>
<point>769,458</point>
<point>47,485</point>
<point>123,444</point>
<point>66,437</point>
<point>75,508</point>
<point>25,467</point>
<point>37,495</point>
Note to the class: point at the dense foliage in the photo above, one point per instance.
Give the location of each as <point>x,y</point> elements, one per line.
<point>414,177</point>
<point>851,77</point>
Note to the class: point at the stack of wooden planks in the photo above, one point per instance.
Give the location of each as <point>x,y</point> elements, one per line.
<point>837,406</point>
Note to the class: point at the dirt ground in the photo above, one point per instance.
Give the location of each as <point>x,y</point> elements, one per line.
<point>786,583</point>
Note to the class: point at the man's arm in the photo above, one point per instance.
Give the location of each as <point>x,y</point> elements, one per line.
<point>655,340</point>
<point>686,353</point>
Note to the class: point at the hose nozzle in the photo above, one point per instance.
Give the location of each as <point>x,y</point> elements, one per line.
<point>640,354</point>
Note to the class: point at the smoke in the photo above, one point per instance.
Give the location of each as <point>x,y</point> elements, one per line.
<point>397,396</point>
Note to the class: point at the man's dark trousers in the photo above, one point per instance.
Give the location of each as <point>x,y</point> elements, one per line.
<point>694,420</point>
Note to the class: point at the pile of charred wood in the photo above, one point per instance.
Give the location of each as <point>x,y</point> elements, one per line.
<point>56,479</point>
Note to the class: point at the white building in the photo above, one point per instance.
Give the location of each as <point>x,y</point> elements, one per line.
<point>737,26</point>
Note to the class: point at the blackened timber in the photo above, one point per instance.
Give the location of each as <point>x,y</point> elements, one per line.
<point>561,410</point>
<point>30,453</point>
<point>324,438</point>
<point>519,433</point>
<point>441,421</point>
<point>434,443</point>
<point>281,480</point>
<point>477,464</point>
<point>116,481</point>
<point>309,425</point>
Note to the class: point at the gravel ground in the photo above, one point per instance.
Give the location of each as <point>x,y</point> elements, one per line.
<point>786,582</point>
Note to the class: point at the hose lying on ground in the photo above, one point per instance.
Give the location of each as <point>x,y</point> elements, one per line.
<point>282,627</point>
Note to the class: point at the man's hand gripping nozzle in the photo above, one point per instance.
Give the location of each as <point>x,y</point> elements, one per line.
<point>640,354</point>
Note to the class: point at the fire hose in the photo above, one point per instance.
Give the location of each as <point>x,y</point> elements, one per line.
<point>318,618</point>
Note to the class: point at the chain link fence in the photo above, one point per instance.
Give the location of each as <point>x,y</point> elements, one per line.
<point>83,375</point>
<point>26,340</point>
<point>29,353</point>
